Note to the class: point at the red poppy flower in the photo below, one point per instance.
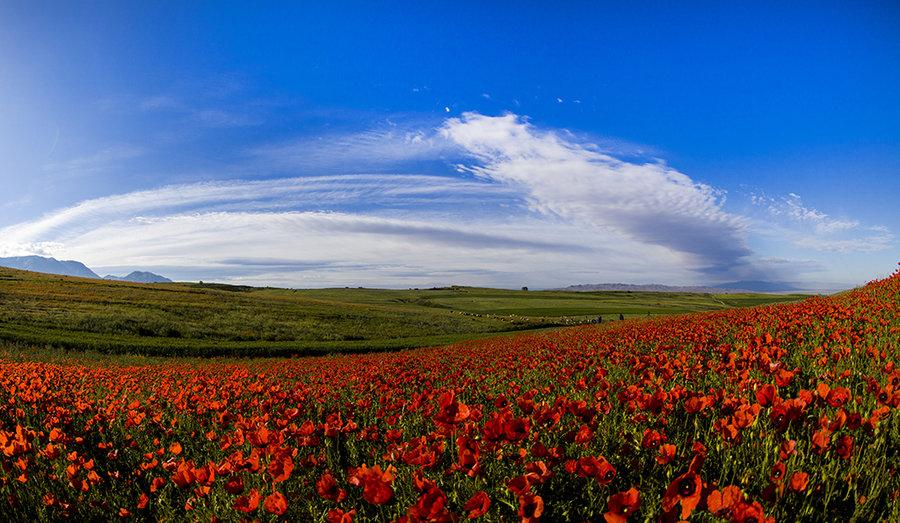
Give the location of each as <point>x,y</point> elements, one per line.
<point>584,435</point>
<point>157,484</point>
<point>821,440</point>
<point>686,489</point>
<point>275,503</point>
<point>722,502</point>
<point>787,449</point>
<point>592,467</point>
<point>777,473</point>
<point>748,512</point>
<point>844,447</point>
<point>652,439</point>
<point>280,467</point>
<point>337,515</point>
<point>469,452</point>
<point>516,429</point>
<point>799,481</point>
<point>248,503</point>
<point>431,506</point>
<point>837,396</point>
<point>666,454</point>
<point>184,474</point>
<point>766,394</point>
<point>531,507</point>
<point>622,505</point>
<point>376,483</point>
<point>328,488</point>
<point>477,505</point>
<point>451,411</point>
<point>519,485</point>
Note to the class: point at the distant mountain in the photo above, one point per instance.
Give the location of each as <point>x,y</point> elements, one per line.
<point>48,265</point>
<point>140,277</point>
<point>73,268</point>
<point>724,288</point>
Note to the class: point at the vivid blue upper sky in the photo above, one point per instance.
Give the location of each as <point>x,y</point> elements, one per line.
<point>436,143</point>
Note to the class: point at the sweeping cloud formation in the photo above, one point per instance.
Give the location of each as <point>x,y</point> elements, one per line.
<point>524,205</point>
<point>649,202</point>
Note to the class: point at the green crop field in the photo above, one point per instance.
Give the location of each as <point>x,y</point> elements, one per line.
<point>192,319</point>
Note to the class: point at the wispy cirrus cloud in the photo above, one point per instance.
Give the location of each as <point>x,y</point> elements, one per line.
<point>787,218</point>
<point>194,111</point>
<point>383,147</point>
<point>319,192</point>
<point>98,162</point>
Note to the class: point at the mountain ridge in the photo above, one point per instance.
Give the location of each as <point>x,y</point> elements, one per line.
<point>139,277</point>
<point>49,265</point>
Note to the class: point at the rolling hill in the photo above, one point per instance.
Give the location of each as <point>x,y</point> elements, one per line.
<point>216,319</point>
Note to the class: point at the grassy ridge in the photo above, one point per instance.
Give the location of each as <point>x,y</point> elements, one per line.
<point>213,319</point>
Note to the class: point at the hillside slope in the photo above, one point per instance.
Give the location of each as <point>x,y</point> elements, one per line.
<point>209,319</point>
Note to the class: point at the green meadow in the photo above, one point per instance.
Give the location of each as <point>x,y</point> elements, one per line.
<point>192,319</point>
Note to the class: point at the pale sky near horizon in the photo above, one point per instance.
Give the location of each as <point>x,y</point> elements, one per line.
<point>454,143</point>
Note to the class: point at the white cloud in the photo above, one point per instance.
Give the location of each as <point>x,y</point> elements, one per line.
<point>649,202</point>
<point>319,191</point>
<point>194,231</point>
<point>360,151</point>
<point>787,218</point>
<point>352,249</point>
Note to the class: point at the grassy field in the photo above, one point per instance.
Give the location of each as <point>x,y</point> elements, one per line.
<point>213,319</point>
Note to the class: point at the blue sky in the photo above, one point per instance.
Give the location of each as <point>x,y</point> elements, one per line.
<point>434,143</point>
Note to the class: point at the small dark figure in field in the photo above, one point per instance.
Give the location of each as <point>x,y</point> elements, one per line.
<point>621,317</point>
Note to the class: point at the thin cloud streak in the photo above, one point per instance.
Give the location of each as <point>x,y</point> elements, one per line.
<point>318,190</point>
<point>787,218</point>
<point>391,147</point>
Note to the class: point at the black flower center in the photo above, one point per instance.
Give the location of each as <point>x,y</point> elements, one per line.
<point>687,487</point>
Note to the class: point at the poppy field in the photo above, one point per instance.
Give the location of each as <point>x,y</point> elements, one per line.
<point>775,413</point>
